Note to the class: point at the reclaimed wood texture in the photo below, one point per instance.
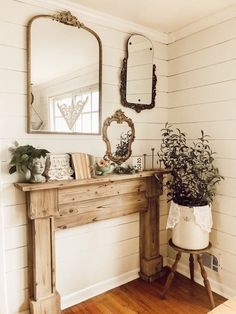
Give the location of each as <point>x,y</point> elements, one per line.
<point>104,189</point>
<point>138,296</point>
<point>43,296</point>
<point>151,262</point>
<point>26,187</point>
<point>84,202</point>
<point>99,209</point>
<point>42,203</point>
<point>49,305</point>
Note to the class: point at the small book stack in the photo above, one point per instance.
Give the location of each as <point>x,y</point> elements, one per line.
<point>83,165</point>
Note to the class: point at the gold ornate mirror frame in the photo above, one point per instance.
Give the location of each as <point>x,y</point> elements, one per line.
<point>120,118</point>
<point>64,17</point>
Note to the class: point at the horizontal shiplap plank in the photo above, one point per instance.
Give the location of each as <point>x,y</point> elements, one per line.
<point>14,37</point>
<point>11,195</point>
<point>18,12</point>
<point>13,104</point>
<point>227,167</point>
<point>224,241</point>
<point>12,58</point>
<point>222,110</point>
<point>12,82</point>
<point>14,215</point>
<point>203,39</point>
<point>205,94</point>
<point>216,54</point>
<point>210,75</point>
<point>225,205</point>
<point>16,259</point>
<point>215,129</point>
<point>224,223</point>
<point>17,279</point>
<point>224,148</point>
<point>143,130</point>
<point>19,301</point>
<point>16,237</point>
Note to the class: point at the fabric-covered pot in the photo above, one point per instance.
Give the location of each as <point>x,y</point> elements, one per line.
<point>191,226</point>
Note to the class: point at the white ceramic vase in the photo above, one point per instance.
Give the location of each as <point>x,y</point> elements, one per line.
<point>187,234</point>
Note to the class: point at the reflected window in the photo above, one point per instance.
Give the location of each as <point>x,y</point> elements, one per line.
<point>64,113</point>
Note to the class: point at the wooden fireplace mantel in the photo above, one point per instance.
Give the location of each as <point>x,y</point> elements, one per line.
<point>66,204</point>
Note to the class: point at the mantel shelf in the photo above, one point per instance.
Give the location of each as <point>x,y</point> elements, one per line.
<point>27,187</point>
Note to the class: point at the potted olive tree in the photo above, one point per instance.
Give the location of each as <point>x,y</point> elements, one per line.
<point>191,187</point>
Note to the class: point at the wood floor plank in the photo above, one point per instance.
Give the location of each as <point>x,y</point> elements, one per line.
<point>138,296</point>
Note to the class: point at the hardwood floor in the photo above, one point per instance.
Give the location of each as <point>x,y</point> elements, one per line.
<point>184,297</point>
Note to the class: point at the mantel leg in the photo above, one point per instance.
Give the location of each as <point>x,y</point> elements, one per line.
<point>43,296</point>
<point>42,207</point>
<point>151,262</point>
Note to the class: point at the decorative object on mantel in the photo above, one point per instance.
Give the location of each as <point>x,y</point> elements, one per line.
<point>123,148</point>
<point>58,167</point>
<point>138,78</point>
<point>29,161</point>
<point>103,166</point>
<point>83,165</point>
<point>137,161</point>
<point>192,187</point>
<point>126,170</point>
<point>72,112</point>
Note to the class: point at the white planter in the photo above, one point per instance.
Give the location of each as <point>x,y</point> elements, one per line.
<point>187,234</point>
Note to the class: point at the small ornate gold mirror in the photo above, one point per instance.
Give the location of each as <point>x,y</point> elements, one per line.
<point>138,78</point>
<point>118,134</point>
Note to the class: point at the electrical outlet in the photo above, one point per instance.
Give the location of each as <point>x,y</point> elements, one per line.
<point>211,261</point>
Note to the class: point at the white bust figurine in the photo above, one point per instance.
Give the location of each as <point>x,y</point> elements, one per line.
<point>37,169</point>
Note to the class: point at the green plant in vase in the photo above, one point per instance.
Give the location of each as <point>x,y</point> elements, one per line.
<point>26,160</point>
<point>192,182</point>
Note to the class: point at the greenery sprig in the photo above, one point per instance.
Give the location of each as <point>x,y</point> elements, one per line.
<point>22,157</point>
<point>193,174</point>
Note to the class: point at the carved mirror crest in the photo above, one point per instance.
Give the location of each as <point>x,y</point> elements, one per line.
<point>118,134</point>
<point>64,59</point>
<point>138,78</point>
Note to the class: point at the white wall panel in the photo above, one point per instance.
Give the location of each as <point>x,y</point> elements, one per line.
<point>202,93</point>
<point>108,260</point>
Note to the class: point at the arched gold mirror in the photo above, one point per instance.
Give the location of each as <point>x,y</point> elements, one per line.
<point>138,78</point>
<point>118,134</point>
<point>64,76</point>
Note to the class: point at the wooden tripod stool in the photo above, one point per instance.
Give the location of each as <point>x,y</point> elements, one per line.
<point>191,268</point>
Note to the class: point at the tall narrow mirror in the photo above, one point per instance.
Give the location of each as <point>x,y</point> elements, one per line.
<point>138,78</point>
<point>64,76</point>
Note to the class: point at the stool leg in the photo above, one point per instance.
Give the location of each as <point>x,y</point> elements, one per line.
<point>206,281</point>
<point>171,275</point>
<point>191,266</point>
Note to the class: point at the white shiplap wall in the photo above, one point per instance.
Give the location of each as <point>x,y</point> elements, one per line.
<point>202,95</point>
<point>114,258</point>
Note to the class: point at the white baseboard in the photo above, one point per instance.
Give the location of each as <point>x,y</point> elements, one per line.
<point>98,288</point>
<point>217,287</point>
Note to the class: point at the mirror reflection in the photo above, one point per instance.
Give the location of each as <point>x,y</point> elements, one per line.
<point>138,79</point>
<point>139,70</point>
<point>118,134</point>
<point>65,65</point>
